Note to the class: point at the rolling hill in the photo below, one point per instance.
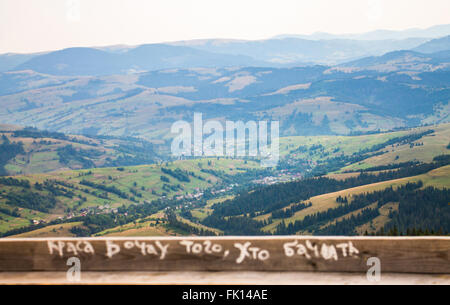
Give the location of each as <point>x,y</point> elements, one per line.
<point>398,89</point>
<point>29,151</point>
<point>95,62</point>
<point>293,51</point>
<point>438,178</point>
<point>213,53</point>
<point>340,154</point>
<point>68,194</point>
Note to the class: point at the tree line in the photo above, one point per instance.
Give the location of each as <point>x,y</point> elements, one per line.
<point>314,222</point>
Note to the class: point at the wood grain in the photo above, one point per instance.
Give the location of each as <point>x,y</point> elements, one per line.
<point>219,278</point>
<point>333,254</point>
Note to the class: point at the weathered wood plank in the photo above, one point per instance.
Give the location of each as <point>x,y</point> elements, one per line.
<point>219,278</point>
<point>326,254</point>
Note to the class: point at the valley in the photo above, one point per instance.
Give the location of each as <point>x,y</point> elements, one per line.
<point>179,197</point>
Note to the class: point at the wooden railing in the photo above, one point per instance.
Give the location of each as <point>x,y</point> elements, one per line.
<point>425,255</point>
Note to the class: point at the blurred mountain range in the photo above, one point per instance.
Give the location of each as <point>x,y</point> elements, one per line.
<point>431,32</point>
<point>339,85</point>
<point>284,51</point>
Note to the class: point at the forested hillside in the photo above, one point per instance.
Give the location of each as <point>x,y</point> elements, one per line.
<point>29,150</point>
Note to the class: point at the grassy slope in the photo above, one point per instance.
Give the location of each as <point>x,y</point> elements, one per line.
<point>144,229</point>
<point>202,213</point>
<point>147,227</point>
<point>378,222</point>
<point>433,145</point>
<point>198,226</point>
<point>147,178</point>
<point>61,230</point>
<point>41,158</point>
<point>41,154</point>
<point>439,178</point>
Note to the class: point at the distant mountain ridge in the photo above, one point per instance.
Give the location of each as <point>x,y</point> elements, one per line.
<point>90,61</point>
<point>435,45</point>
<point>281,51</point>
<point>10,61</point>
<point>431,32</point>
<point>289,52</point>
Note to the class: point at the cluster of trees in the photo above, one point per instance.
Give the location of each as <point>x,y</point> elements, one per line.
<point>286,213</point>
<point>390,166</point>
<point>15,182</point>
<point>425,209</point>
<point>13,212</point>
<point>238,225</point>
<point>110,189</point>
<point>26,198</point>
<point>178,174</point>
<point>304,125</point>
<point>442,160</point>
<point>173,222</point>
<point>133,152</point>
<point>336,163</point>
<point>80,231</point>
<point>130,151</point>
<point>301,149</point>
<point>242,178</point>
<point>347,226</point>
<point>409,232</point>
<point>135,192</point>
<point>69,154</point>
<point>34,133</point>
<point>197,176</point>
<point>23,195</point>
<point>52,187</point>
<point>341,199</point>
<point>186,213</point>
<point>312,149</point>
<point>8,151</point>
<point>168,187</point>
<point>399,141</point>
<point>95,223</point>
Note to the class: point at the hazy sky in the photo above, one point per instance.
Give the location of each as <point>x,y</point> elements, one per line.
<point>37,25</point>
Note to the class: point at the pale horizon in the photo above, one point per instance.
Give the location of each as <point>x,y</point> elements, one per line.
<point>29,26</point>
